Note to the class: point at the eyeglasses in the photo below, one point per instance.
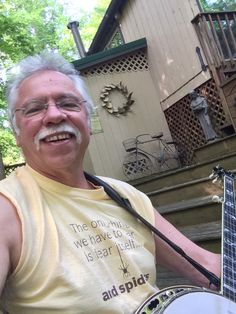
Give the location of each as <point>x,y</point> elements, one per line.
<point>37,108</point>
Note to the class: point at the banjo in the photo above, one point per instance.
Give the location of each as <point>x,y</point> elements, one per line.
<point>196,300</point>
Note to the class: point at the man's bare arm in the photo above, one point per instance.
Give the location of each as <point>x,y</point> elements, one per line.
<point>10,239</point>
<point>167,257</point>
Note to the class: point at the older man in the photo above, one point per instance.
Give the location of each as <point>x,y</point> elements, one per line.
<point>65,245</point>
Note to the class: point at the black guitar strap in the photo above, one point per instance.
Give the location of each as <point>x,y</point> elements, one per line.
<point>123,202</point>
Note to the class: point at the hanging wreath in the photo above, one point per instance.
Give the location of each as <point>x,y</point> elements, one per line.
<point>107,103</point>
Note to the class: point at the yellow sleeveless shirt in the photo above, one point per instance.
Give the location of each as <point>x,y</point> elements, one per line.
<point>81,252</point>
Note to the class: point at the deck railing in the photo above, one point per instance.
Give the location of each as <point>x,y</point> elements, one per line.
<point>217,34</point>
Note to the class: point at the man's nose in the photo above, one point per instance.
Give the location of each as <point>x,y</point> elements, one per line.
<point>53,114</point>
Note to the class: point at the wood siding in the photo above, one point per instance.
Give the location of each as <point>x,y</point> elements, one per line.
<point>172,42</point>
<point>106,151</point>
<point>229,90</point>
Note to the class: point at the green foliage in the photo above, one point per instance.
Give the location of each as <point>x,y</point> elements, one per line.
<point>10,152</point>
<point>89,22</point>
<point>218,5</point>
<point>30,26</point>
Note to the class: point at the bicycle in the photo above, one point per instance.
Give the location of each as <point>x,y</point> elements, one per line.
<point>139,162</point>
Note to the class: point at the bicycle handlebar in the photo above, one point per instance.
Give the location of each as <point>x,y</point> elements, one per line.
<point>153,138</point>
<point>141,135</point>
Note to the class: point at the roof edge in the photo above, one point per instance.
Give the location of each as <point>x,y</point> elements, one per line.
<point>110,54</point>
<point>107,26</point>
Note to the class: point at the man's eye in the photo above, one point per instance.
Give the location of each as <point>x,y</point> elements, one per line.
<point>69,105</point>
<point>34,109</point>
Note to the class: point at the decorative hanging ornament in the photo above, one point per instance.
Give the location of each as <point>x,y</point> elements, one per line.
<point>107,103</point>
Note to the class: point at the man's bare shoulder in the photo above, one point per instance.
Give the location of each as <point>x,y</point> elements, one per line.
<point>10,226</point>
<point>7,210</point>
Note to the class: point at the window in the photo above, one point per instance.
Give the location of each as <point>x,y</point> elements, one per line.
<point>116,40</point>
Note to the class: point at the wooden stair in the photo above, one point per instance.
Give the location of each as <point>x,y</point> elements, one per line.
<point>184,197</point>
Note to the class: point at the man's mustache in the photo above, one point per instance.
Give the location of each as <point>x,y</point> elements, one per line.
<point>61,128</point>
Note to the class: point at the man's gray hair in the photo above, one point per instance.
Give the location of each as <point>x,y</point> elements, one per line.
<point>33,64</point>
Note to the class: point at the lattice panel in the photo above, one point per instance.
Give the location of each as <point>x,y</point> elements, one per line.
<point>185,127</point>
<point>133,62</point>
<point>216,111</point>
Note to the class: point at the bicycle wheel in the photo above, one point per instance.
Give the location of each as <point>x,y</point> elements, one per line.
<point>169,158</point>
<point>137,165</point>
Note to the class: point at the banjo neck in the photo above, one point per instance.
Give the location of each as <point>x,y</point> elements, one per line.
<point>228,282</point>
<point>195,300</point>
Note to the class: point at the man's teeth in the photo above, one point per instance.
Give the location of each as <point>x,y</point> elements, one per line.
<point>57,137</point>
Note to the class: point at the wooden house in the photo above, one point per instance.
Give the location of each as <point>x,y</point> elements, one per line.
<point>167,49</point>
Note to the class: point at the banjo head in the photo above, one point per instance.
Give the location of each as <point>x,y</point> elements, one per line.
<point>187,300</point>
<point>201,302</point>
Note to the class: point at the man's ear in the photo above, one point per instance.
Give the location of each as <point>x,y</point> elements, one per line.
<point>16,132</point>
<point>18,139</point>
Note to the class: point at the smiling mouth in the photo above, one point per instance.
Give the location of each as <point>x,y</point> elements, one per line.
<point>57,137</point>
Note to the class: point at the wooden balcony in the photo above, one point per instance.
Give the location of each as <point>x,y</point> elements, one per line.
<point>217,34</point>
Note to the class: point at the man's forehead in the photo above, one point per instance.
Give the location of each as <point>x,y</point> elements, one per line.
<point>47,75</point>
<point>46,83</point>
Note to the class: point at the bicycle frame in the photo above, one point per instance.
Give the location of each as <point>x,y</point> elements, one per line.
<point>156,138</point>
<point>140,161</point>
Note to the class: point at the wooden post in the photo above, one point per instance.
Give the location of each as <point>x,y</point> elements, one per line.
<point>2,169</point>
